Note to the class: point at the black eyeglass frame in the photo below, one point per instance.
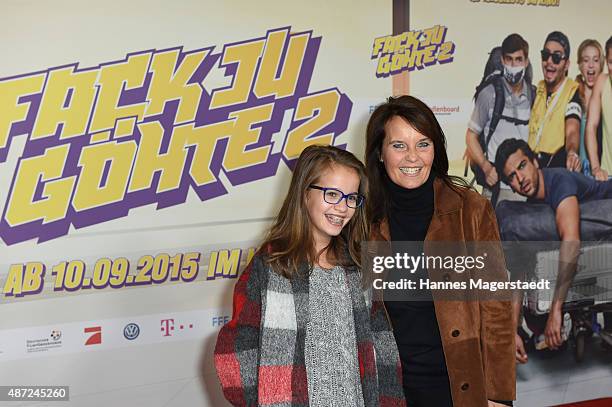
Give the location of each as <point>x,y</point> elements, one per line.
<point>556,56</point>
<point>360,199</point>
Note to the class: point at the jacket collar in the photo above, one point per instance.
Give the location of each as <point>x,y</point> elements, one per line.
<point>446,201</point>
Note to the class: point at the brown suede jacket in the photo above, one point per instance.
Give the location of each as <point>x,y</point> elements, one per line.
<point>477,334</point>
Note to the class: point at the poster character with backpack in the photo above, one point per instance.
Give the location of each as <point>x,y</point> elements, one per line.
<point>503,101</point>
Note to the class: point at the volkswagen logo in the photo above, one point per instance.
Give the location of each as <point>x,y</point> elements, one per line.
<point>131,331</point>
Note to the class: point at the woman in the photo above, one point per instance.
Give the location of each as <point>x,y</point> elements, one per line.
<point>302,332</point>
<point>590,64</point>
<point>600,107</point>
<point>453,353</point>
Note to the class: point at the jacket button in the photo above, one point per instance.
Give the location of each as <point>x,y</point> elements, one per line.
<point>446,277</point>
<point>465,386</point>
<point>455,333</point>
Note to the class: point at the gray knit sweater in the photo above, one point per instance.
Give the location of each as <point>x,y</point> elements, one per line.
<point>332,367</point>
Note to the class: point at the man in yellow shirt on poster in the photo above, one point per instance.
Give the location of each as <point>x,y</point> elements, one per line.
<point>554,125</point>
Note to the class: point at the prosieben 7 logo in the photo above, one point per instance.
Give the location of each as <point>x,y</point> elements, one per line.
<point>148,128</point>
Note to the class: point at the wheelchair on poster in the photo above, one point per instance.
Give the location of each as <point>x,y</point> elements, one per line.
<point>587,301</point>
<point>532,253</point>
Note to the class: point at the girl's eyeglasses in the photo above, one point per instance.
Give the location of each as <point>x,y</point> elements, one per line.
<point>335,196</point>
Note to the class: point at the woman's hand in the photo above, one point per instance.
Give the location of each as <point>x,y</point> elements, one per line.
<point>521,355</point>
<point>494,404</point>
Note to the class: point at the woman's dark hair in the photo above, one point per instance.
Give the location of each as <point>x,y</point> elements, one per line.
<point>422,119</point>
<point>609,46</point>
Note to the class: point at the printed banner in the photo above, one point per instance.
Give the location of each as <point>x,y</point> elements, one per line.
<point>144,150</point>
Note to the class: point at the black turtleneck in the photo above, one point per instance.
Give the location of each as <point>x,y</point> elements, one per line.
<point>415,326</point>
<point>410,210</point>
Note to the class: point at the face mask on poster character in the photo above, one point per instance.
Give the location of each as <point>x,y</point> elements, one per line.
<point>514,74</point>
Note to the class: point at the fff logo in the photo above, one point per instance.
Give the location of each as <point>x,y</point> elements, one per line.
<point>220,320</point>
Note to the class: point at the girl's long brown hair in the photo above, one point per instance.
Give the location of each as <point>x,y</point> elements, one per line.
<point>290,242</point>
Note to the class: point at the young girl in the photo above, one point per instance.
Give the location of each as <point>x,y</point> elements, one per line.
<point>303,332</point>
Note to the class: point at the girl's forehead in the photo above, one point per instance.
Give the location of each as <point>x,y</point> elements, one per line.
<point>336,169</point>
<point>339,174</point>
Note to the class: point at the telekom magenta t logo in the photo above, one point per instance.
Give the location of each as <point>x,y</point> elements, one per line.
<point>167,326</point>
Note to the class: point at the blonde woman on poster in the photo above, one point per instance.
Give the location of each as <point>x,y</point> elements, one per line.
<point>590,64</point>
<point>600,108</point>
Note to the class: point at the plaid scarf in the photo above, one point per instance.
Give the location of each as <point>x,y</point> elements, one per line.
<point>259,355</point>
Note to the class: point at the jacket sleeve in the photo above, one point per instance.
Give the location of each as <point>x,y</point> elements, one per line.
<point>497,331</point>
<point>236,352</point>
<point>388,365</point>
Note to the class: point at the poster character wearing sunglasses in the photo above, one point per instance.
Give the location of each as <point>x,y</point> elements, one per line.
<point>554,126</point>
<point>557,57</point>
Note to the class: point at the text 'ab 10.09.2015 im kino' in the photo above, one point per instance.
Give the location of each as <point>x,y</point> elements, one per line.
<point>405,263</point>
